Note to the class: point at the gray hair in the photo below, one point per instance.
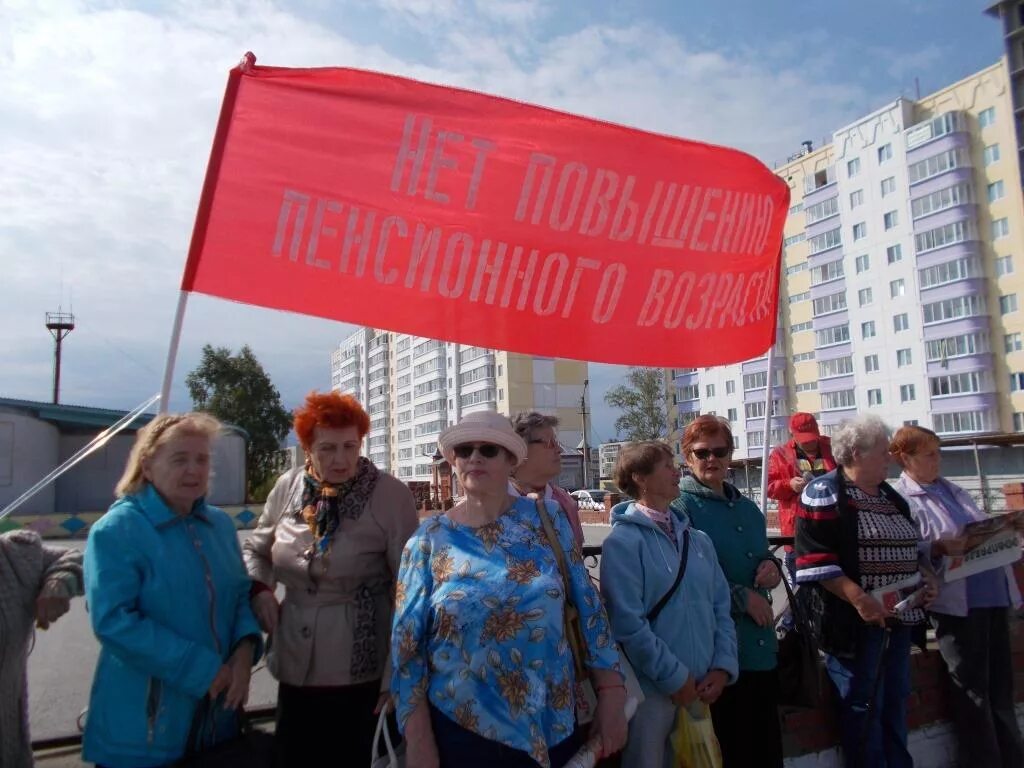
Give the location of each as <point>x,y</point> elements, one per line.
<point>861,433</point>
<point>525,423</point>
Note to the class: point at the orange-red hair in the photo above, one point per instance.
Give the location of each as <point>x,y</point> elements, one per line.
<point>332,411</point>
<point>705,427</point>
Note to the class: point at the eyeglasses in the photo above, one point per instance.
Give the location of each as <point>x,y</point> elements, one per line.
<point>487,450</point>
<point>706,453</point>
<point>546,443</point>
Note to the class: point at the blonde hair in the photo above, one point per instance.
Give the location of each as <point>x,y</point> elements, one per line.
<point>161,430</point>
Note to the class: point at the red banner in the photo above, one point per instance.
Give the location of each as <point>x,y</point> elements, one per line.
<point>444,213</point>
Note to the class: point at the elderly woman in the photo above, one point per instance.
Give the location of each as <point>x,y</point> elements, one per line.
<point>168,598</point>
<point>535,477</point>
<point>37,582</point>
<point>855,535</point>
<point>484,671</point>
<point>667,600</point>
<point>332,533</point>
<point>746,717</point>
<point>970,615</point>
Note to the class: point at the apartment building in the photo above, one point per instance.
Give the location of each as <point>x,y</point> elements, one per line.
<point>414,387</point>
<point>902,276</point>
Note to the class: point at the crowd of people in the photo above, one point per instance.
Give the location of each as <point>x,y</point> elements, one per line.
<point>479,632</point>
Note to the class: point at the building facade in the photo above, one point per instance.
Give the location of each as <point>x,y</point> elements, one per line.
<point>902,280</point>
<point>415,387</point>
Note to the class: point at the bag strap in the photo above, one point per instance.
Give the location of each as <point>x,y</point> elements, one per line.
<point>799,619</point>
<point>204,725</point>
<point>549,533</point>
<point>684,557</point>
<point>383,730</point>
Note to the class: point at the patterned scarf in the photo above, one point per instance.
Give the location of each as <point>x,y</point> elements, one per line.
<point>325,505</point>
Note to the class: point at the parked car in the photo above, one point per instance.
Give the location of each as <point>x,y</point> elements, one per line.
<point>590,499</point>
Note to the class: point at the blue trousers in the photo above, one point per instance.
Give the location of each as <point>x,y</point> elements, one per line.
<point>855,680</point>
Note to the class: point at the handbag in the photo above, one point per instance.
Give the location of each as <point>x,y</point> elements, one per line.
<point>694,744</point>
<point>799,670</point>
<point>586,696</point>
<point>394,757</point>
<point>248,748</point>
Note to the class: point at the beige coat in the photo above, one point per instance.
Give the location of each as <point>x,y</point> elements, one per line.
<point>335,621</point>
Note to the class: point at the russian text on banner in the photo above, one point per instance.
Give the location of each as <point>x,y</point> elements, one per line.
<point>444,213</point>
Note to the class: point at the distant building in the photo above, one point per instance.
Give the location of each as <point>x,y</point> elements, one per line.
<point>609,454</point>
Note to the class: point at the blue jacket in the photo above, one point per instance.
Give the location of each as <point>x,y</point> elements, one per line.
<point>694,633</point>
<point>168,597</point>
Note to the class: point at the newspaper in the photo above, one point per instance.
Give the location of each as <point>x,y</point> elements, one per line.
<point>900,595</point>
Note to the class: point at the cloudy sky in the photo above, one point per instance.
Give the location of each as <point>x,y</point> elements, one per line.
<point>107,111</point>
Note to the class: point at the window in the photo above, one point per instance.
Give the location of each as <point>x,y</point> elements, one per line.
<point>730,387</point>
<point>795,268</point>
<point>801,327</point>
<point>1012,342</point>
<point>841,366</point>
<point>799,358</point>
<point>796,208</point>
<point>1016,382</point>
<point>1018,422</point>
<point>710,388</point>
<point>950,309</point>
<point>1000,228</point>
<point>1004,265</point>
<point>732,414</point>
<point>863,263</point>
<point>689,392</point>
<point>432,406</point>
<point>948,272</point>
<point>428,367</point>
<point>960,421</point>
<point>837,334</point>
<point>404,380</point>
<point>405,434</point>
<point>867,330</point>
<point>853,167</point>
<point>483,396</point>
<point>755,410</point>
<point>755,439</point>
<point>475,374</point>
<point>468,354</point>
<point>825,305</point>
<point>864,296</point>
<point>884,153</point>
<point>874,397</point>
<point>894,253</point>
<point>996,191</point>
<point>794,298</point>
<point>826,272</point>
<point>986,117</point>
<point>907,393</point>
<point>1007,303</point>
<point>955,384</point>
<point>404,399</point>
<point>860,231</point>
<point>891,219</point>
<point>897,288</point>
<point>991,154</point>
<point>844,398</point>
<point>903,358</point>
<point>901,322</point>
<point>870,363</point>
<point>936,164</point>
<point>955,346</point>
<point>957,232</point>
<point>940,200</point>
<point>822,210</point>
<point>825,241</point>
<point>888,186</point>
<point>794,239</point>
<point>857,198</point>
<point>809,385</point>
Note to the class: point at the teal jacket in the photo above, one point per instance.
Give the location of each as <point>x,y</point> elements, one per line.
<point>694,633</point>
<point>168,597</point>
<point>737,528</point>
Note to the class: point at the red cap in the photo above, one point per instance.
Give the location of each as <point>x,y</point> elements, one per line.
<point>804,427</point>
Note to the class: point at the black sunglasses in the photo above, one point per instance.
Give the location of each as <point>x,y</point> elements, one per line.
<point>706,453</point>
<point>487,450</point>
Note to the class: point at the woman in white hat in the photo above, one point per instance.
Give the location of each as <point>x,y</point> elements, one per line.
<point>483,670</point>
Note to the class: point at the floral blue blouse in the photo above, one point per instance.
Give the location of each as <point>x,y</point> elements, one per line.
<point>478,628</point>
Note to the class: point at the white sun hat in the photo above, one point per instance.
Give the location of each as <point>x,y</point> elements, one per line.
<point>482,427</point>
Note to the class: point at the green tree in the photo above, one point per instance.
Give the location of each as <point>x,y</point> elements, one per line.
<point>237,390</point>
<point>641,402</point>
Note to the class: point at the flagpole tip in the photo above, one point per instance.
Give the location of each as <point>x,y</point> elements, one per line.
<point>247,62</point>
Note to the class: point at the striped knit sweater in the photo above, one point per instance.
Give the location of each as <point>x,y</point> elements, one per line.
<point>28,569</point>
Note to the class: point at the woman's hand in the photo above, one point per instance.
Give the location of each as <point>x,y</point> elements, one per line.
<point>871,611</point>
<point>610,719</point>
<point>760,610</point>
<point>383,700</point>
<point>768,575</point>
<point>49,608</point>
<point>931,588</point>
<point>420,747</point>
<point>267,610</point>
<point>711,687</point>
<point>240,665</point>
<point>686,695</point>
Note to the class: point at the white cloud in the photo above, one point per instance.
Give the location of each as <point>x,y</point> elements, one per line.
<point>109,114</point>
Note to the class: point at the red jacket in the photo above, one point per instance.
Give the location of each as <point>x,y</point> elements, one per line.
<point>782,468</point>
